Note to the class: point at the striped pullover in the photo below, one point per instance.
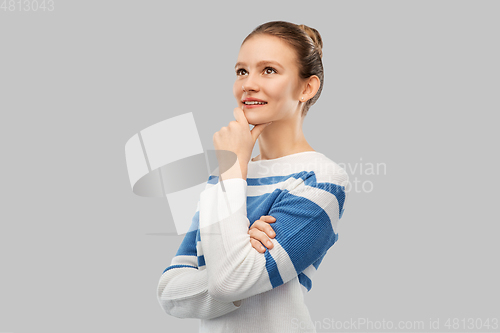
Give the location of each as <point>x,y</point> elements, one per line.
<point>216,274</point>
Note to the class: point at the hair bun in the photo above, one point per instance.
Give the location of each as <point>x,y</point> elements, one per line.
<point>315,36</point>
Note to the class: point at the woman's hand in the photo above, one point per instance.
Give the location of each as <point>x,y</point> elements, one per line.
<point>260,232</point>
<point>237,137</point>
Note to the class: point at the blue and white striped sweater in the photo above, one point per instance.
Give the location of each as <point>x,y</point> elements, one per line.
<point>255,206</point>
<point>307,206</point>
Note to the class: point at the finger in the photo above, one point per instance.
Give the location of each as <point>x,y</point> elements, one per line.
<point>261,237</point>
<point>264,227</point>
<point>258,129</point>
<point>268,218</point>
<point>239,115</point>
<point>257,245</point>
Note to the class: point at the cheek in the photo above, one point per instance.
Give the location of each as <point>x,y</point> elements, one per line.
<point>237,92</point>
<point>279,91</point>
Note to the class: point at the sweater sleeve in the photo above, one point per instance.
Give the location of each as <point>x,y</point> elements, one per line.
<point>183,287</point>
<point>306,212</point>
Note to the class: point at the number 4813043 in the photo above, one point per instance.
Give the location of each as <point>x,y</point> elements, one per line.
<point>27,5</point>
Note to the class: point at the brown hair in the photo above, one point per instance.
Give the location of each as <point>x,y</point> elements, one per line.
<point>306,42</point>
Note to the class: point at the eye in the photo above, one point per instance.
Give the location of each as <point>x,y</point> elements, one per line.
<point>265,69</point>
<point>239,70</point>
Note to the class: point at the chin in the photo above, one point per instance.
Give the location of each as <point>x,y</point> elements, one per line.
<point>255,123</point>
<point>255,120</point>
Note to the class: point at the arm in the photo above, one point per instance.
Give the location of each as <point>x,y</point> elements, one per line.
<point>306,211</point>
<point>183,288</point>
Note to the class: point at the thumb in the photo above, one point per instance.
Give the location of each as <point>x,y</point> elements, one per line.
<point>258,129</point>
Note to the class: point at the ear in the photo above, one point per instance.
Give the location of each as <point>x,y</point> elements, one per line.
<point>311,87</point>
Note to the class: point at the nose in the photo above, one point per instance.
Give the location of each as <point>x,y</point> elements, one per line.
<point>250,83</point>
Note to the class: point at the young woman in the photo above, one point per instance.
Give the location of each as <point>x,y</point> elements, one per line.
<point>233,270</point>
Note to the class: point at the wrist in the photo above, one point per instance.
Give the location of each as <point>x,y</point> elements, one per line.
<point>237,170</point>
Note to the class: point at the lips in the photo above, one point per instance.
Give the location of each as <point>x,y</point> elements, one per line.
<point>252,99</point>
<point>251,106</point>
<point>259,103</point>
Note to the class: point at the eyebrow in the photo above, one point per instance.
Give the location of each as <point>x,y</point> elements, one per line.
<point>260,63</point>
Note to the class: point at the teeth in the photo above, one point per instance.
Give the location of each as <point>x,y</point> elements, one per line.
<point>254,102</point>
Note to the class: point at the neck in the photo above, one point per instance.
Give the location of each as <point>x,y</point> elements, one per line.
<point>282,138</point>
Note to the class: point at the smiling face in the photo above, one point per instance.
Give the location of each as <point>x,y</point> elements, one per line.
<point>275,82</point>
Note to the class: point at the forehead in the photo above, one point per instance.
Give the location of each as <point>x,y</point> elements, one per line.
<point>265,47</point>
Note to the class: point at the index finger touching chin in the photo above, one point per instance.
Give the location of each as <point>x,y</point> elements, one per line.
<point>239,115</point>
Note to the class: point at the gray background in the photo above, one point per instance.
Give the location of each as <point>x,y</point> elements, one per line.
<point>409,84</point>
